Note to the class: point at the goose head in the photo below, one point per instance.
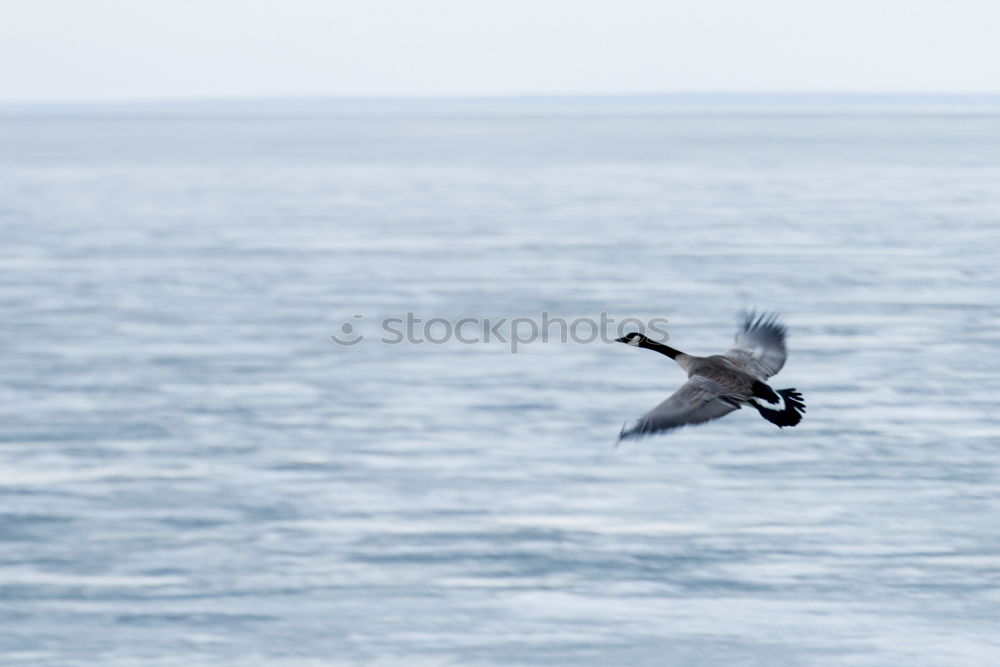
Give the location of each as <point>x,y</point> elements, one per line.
<point>634,338</point>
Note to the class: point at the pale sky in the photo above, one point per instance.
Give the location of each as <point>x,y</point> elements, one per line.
<point>149,49</point>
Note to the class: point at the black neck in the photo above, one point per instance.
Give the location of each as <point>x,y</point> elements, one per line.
<point>661,348</point>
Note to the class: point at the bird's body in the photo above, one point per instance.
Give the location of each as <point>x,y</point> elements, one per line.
<point>722,383</point>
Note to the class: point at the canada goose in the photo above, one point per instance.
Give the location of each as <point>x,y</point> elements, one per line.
<point>721,383</point>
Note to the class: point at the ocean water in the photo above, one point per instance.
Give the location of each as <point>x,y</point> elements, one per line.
<point>193,473</point>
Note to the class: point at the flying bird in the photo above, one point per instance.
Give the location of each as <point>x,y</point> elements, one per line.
<point>721,383</point>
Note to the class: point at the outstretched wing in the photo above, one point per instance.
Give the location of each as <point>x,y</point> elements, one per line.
<point>760,345</point>
<point>698,400</point>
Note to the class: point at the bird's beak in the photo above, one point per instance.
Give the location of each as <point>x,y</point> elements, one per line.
<point>621,340</point>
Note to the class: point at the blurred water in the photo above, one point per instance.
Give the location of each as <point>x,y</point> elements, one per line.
<point>193,473</point>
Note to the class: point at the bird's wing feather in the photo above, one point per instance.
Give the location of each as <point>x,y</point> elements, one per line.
<point>760,345</point>
<point>698,400</point>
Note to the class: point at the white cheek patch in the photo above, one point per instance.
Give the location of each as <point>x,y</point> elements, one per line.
<point>634,340</point>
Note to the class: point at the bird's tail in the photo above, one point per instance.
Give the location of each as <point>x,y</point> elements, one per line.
<point>786,410</point>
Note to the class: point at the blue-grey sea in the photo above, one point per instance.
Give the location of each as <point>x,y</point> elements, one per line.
<point>193,473</point>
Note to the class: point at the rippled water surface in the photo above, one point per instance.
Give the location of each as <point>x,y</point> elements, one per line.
<point>192,472</point>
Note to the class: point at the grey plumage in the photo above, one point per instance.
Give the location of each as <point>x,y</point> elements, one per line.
<point>722,383</point>
<point>760,345</point>
<point>697,401</point>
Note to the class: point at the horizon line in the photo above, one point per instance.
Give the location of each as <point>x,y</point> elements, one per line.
<point>720,95</point>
